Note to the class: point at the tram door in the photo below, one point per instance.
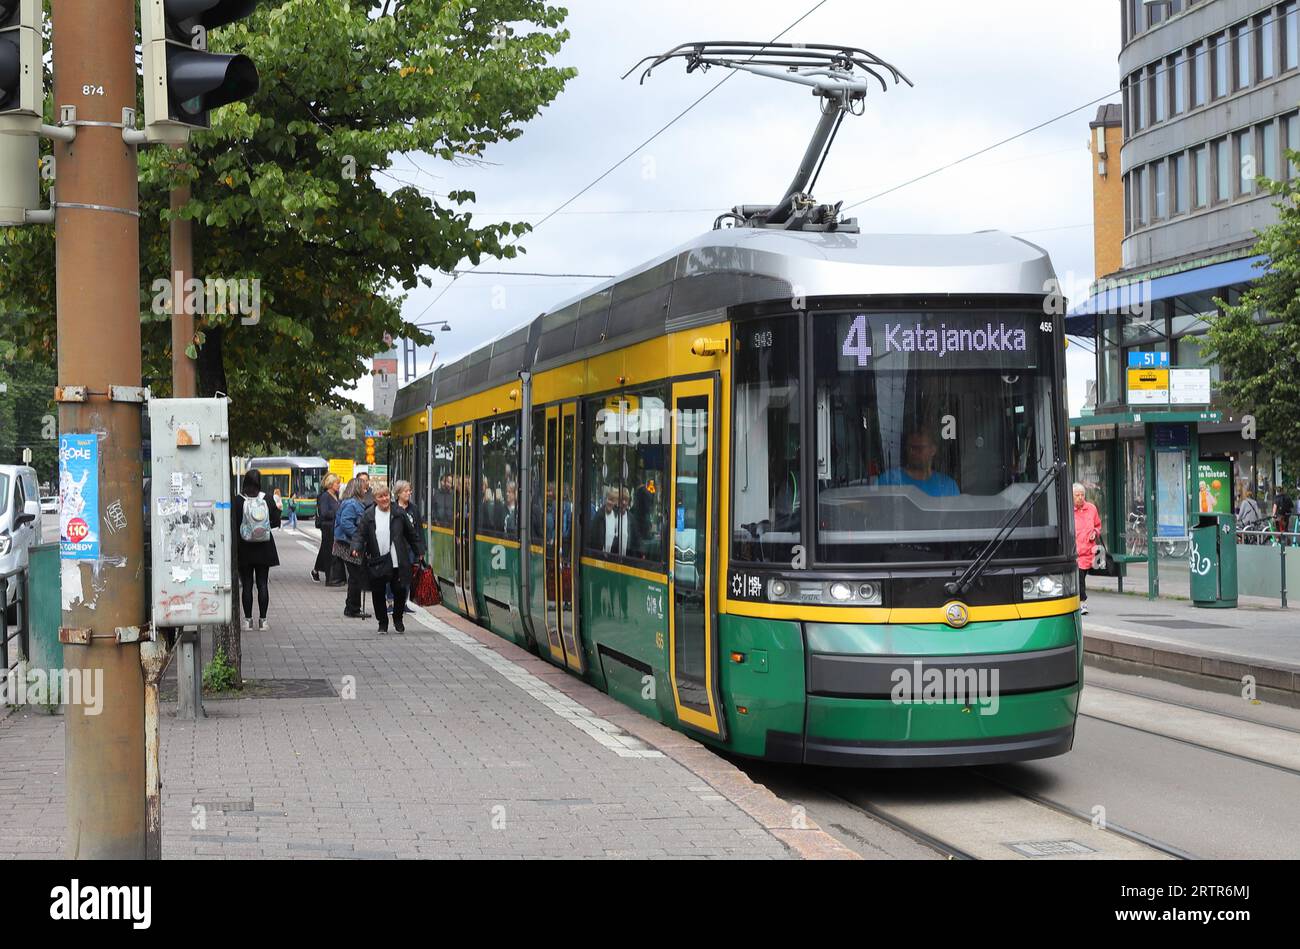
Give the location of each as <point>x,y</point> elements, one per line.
<point>692,638</point>
<point>561,537</point>
<point>462,512</point>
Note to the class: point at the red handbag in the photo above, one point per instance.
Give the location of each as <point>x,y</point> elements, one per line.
<point>425,587</point>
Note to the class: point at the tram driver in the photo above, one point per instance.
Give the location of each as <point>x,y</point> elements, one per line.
<point>918,470</point>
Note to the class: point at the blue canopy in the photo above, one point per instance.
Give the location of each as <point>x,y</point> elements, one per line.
<point>1129,297</point>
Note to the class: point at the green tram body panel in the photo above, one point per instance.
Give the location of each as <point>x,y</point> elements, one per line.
<point>623,621</point>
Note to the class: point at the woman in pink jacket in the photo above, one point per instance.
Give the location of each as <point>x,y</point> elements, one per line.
<point>1087,532</point>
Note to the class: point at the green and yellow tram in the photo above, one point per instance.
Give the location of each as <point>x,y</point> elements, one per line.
<point>796,493</point>
<point>297,477</point>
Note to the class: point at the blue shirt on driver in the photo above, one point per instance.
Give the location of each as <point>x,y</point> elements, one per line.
<point>938,485</point>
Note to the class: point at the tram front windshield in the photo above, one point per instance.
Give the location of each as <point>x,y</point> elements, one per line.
<point>927,429</point>
<point>931,428</point>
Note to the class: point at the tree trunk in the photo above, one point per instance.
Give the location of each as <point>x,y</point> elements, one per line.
<point>211,380</point>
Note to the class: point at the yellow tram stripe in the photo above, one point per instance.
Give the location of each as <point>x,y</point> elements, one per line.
<point>623,568</point>
<point>485,539</point>
<point>877,614</point>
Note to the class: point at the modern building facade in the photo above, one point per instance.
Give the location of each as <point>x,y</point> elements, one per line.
<point>1211,102</point>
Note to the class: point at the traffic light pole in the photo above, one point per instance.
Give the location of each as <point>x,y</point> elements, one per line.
<point>98,291</point>
<point>189,693</point>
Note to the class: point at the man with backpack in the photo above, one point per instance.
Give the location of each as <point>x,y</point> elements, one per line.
<point>255,517</point>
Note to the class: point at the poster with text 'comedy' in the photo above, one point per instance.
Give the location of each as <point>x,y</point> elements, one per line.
<point>78,497</point>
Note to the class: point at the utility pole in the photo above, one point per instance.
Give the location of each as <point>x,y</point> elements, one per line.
<point>98,288</point>
<point>184,384</point>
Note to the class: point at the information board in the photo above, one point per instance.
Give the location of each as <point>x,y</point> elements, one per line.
<point>1189,387</point>
<point>1171,494</point>
<point>190,522</point>
<point>1148,387</point>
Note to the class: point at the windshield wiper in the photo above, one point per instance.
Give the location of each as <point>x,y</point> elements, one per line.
<point>977,566</point>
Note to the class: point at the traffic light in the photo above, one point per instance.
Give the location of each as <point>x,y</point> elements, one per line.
<point>22,46</point>
<point>183,82</point>
<point>20,191</point>
<point>370,451</point>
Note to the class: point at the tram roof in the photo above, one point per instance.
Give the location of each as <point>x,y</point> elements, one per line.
<point>696,282</point>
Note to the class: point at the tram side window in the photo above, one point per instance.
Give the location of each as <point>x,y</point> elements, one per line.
<point>537,477</point>
<point>442,458</point>
<point>626,459</point>
<point>767,494</point>
<point>420,481</point>
<point>498,489</point>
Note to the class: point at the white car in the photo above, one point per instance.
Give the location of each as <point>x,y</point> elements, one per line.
<point>20,524</point>
<point>50,504</point>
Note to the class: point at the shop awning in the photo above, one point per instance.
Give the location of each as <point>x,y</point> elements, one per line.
<point>1081,321</point>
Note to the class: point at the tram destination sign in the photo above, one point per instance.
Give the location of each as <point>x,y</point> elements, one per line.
<point>941,340</point>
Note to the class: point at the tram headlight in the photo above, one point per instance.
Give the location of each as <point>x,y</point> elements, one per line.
<point>1047,586</point>
<point>778,590</point>
<point>869,593</point>
<point>841,591</point>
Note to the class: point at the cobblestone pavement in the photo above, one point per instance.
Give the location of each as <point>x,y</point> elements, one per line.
<point>444,742</point>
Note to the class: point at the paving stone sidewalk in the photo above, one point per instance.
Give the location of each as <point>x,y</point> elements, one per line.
<point>456,744</point>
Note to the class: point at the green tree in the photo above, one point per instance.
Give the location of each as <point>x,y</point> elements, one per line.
<point>291,189</point>
<point>27,410</point>
<point>1259,361</point>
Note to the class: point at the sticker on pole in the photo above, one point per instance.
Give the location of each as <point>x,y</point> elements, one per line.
<point>78,497</point>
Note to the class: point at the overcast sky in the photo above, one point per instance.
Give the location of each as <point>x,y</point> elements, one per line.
<point>982,72</point>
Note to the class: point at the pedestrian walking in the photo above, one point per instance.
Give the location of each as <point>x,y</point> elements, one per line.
<point>1087,532</point>
<point>347,545</point>
<point>384,541</point>
<point>1282,508</point>
<point>255,518</point>
<point>365,494</point>
<point>292,508</point>
<point>403,496</point>
<point>327,507</point>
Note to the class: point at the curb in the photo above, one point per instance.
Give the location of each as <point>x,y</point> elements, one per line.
<point>1216,670</point>
<point>771,813</point>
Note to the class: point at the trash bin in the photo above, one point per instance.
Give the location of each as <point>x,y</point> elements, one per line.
<point>1213,562</point>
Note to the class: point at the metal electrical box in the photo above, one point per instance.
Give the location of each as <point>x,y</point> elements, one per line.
<point>190,523</point>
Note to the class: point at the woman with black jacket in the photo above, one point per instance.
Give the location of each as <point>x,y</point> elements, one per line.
<point>327,506</point>
<point>384,539</point>
<point>256,546</point>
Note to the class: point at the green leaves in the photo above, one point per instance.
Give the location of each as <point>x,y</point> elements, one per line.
<point>295,188</point>
<point>1261,361</point>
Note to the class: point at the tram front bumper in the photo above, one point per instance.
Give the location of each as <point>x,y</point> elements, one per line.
<point>1004,692</point>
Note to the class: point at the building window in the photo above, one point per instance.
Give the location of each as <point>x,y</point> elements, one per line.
<point>1269,150</point>
<point>1222,171</point>
<point>1246,162</point>
<point>1160,89</point>
<point>1139,103</point>
<point>1140,205</point>
<point>1199,74</point>
<point>1200,172</point>
<point>1179,183</point>
<point>1291,38</point>
<point>1161,176</point>
<point>1242,44</point>
<point>1220,44</point>
<point>1292,123</point>
<point>1179,67</point>
<point>1267,47</point>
